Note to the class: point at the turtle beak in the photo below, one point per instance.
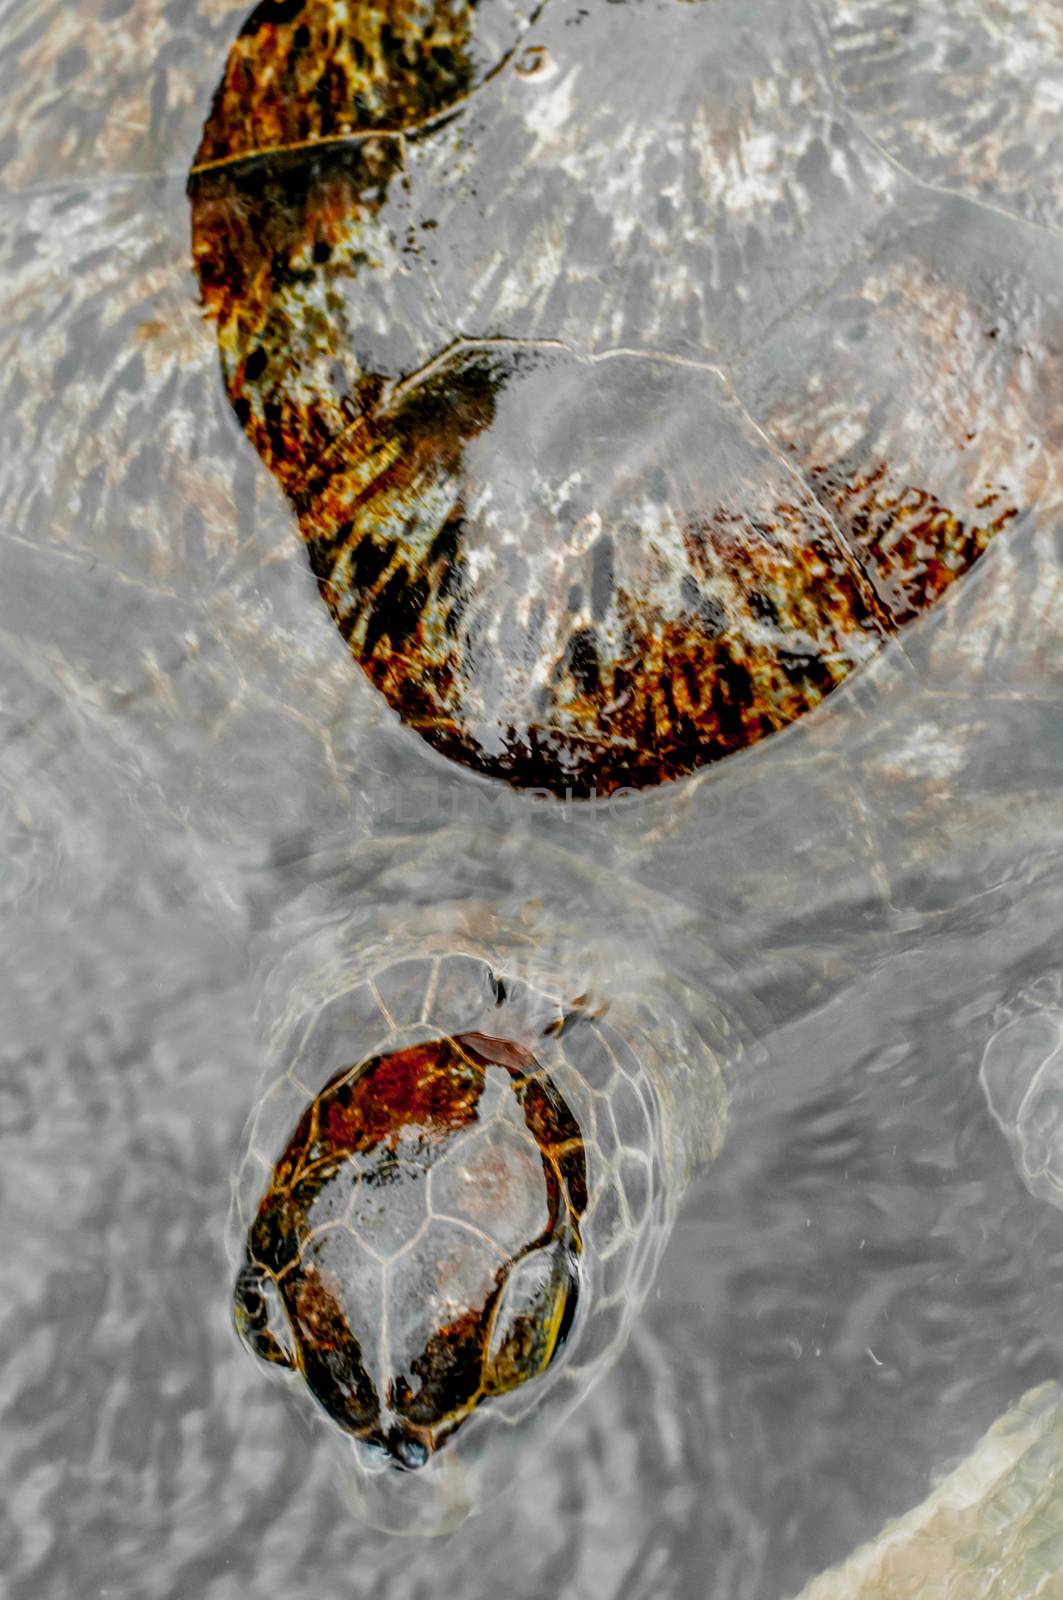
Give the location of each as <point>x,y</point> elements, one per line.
<point>401,1485</point>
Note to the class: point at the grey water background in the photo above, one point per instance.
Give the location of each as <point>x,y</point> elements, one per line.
<point>854,1291</point>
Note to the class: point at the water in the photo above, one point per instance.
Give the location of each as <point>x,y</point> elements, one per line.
<point>196,781</point>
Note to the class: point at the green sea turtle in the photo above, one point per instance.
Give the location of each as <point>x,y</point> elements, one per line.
<point>623,417</point>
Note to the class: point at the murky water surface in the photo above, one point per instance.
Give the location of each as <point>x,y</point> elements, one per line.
<point>198,784</point>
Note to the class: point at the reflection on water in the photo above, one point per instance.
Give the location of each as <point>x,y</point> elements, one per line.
<point>207,816</point>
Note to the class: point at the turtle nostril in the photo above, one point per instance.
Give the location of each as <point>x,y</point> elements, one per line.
<point>373,1454</point>
<point>398,1450</point>
<point>406,1452</point>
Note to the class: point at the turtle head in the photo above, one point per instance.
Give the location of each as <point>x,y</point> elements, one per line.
<point>432,1262</point>
<point>416,1258</point>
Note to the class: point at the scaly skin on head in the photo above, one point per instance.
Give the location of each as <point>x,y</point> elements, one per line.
<point>416,1160</point>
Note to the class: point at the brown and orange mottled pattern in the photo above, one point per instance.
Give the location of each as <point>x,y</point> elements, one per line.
<point>911,546</point>
<point>306,71</point>
<point>572,568</point>
<point>415,1251</point>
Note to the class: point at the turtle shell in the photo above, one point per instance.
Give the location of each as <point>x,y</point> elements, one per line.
<point>622,420</point>
<point>422,1232</point>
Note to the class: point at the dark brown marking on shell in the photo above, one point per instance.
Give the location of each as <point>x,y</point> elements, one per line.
<point>332,1360</point>
<point>911,546</point>
<point>433,1089</point>
<point>353,1183</point>
<point>633,670</point>
<point>301,73</point>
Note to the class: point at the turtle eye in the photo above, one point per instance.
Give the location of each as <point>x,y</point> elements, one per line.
<point>260,1317</point>
<point>532,1317</point>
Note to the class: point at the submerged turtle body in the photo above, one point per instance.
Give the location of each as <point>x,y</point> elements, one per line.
<point>622,419</point>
